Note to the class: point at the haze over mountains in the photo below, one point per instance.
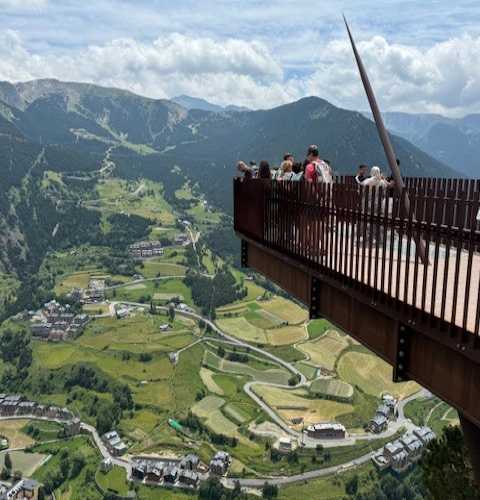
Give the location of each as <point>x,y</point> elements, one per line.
<point>454,141</point>
<point>71,128</point>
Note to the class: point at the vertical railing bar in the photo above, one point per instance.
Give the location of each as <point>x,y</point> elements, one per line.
<point>474,208</point>
<point>448,206</point>
<point>459,244</point>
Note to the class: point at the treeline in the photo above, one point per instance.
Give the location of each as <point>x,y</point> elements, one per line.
<point>210,293</point>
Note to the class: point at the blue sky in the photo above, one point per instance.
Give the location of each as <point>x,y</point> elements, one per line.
<point>421,55</point>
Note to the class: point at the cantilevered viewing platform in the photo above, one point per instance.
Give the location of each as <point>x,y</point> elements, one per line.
<point>352,254</point>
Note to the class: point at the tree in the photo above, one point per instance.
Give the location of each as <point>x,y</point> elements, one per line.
<point>446,469</point>
<point>221,351</point>
<point>269,491</point>
<point>171,313</point>
<point>153,308</point>
<point>351,486</point>
<point>7,463</point>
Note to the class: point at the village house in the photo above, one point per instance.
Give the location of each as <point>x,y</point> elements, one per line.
<point>106,465</point>
<point>404,452</point>
<point>114,443</point>
<point>425,434</point>
<point>189,478</point>
<point>413,446</point>
<point>139,469</point>
<point>24,489</point>
<point>378,424</point>
<point>145,249</point>
<point>220,463</point>
<point>385,412</point>
<point>153,474</point>
<point>170,475</point>
<point>55,322</point>
<point>326,431</point>
<point>189,462</point>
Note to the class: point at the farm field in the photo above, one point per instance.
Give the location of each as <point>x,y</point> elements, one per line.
<point>137,334</point>
<point>325,350</point>
<point>153,268</point>
<point>207,378</point>
<point>143,197</point>
<point>208,409</point>
<point>318,327</point>
<point>13,430</point>
<point>27,463</point>
<point>307,369</point>
<point>285,309</point>
<point>297,402</point>
<point>286,335</point>
<point>242,329</point>
<point>79,279</point>
<point>145,291</point>
<point>273,375</point>
<point>334,388</point>
<point>372,375</point>
<point>54,356</point>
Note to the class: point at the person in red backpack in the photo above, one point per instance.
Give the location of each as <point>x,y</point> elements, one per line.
<point>317,170</point>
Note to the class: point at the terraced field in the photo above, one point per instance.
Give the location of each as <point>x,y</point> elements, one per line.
<point>325,350</point>
<point>208,409</point>
<point>334,388</point>
<point>286,335</point>
<point>372,375</point>
<point>298,403</point>
<point>207,378</point>
<point>274,375</point>
<point>137,334</point>
<point>285,309</point>
<point>242,329</point>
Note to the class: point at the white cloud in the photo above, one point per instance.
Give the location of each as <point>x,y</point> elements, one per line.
<point>443,77</point>
<point>22,4</point>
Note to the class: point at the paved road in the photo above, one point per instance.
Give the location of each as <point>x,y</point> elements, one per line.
<point>246,483</point>
<point>393,428</point>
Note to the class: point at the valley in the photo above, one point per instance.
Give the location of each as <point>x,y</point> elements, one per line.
<point>240,368</point>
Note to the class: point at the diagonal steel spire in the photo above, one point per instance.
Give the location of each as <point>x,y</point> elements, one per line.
<point>385,138</point>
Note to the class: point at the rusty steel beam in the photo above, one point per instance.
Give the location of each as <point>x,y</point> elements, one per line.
<point>431,360</point>
<point>385,138</point>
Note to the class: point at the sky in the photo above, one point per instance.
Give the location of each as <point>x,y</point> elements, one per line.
<point>421,56</point>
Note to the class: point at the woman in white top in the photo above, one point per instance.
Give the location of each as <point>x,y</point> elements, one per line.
<point>376,179</point>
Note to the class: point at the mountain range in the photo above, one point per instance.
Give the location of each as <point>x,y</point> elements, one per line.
<point>189,102</point>
<point>453,141</point>
<point>70,128</point>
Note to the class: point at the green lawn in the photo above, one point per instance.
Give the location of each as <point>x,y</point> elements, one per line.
<point>153,268</point>
<point>317,327</point>
<point>114,481</point>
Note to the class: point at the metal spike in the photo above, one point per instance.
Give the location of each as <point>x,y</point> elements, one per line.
<point>385,138</point>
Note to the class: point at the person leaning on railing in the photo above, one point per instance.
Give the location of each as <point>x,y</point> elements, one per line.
<point>245,170</point>
<point>317,170</point>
